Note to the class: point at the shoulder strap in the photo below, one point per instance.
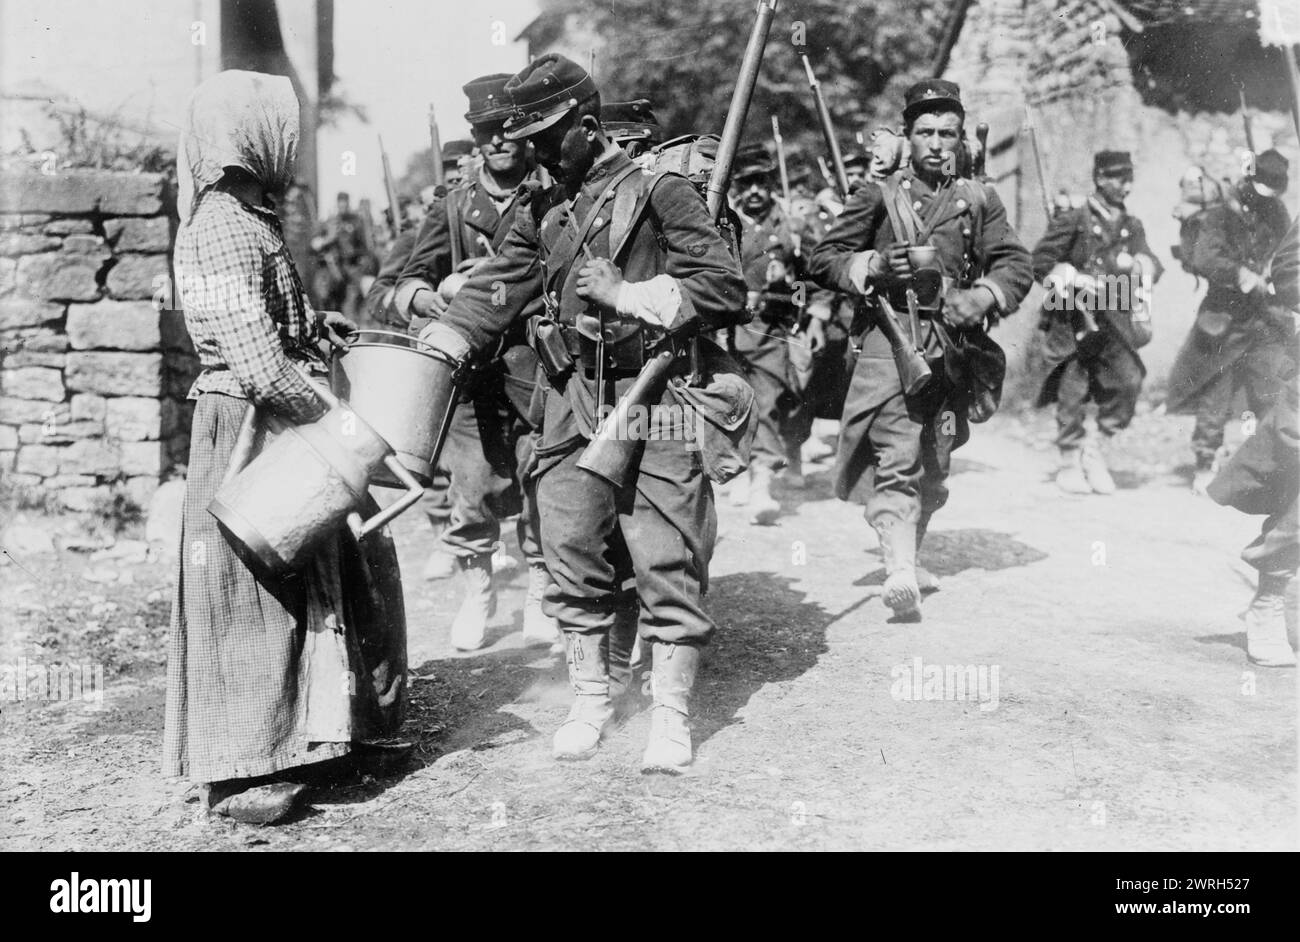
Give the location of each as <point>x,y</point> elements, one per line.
<point>902,217</point>
<point>558,271</point>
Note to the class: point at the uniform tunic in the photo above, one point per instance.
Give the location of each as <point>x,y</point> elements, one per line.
<point>903,445</point>
<point>661,528</point>
<point>1108,369</point>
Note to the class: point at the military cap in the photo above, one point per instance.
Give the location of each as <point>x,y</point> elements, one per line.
<point>933,94</point>
<point>488,102</point>
<point>455,150</point>
<point>751,161</point>
<point>1271,170</point>
<point>857,158</point>
<point>1111,162</point>
<point>631,121</point>
<point>543,92</point>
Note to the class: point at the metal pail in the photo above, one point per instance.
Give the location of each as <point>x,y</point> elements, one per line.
<point>405,389</point>
<point>282,504</point>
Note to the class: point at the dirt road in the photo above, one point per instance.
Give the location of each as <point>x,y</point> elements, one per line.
<point>1092,692</point>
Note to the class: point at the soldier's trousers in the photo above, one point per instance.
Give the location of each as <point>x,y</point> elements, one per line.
<point>784,417</point>
<point>902,445</point>
<point>1277,548</point>
<point>487,443</point>
<point>1110,376</point>
<point>660,531</point>
<point>1256,372</point>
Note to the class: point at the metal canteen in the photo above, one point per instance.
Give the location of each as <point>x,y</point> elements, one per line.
<point>282,504</point>
<point>405,389</point>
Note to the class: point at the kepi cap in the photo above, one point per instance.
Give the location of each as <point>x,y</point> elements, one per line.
<point>1111,162</point>
<point>631,121</point>
<point>488,101</point>
<point>933,94</point>
<point>543,92</point>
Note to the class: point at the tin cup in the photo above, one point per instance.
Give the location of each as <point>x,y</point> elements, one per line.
<point>922,256</point>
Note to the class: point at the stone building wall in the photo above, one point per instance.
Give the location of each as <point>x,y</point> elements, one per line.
<point>94,366</point>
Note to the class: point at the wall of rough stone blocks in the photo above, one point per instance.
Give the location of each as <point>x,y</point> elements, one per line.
<point>94,366</point>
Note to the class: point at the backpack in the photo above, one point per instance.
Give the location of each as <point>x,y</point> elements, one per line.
<point>1197,192</point>
<point>693,156</point>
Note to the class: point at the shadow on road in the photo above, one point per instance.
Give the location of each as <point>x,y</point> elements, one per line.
<point>948,552</point>
<point>768,633</point>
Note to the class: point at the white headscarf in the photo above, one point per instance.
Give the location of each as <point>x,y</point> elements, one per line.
<point>237,119</point>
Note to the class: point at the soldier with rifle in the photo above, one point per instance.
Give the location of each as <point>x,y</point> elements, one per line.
<point>940,248</point>
<point>1098,270</point>
<point>487,443</point>
<point>1240,340</point>
<point>631,269</point>
<point>787,313</point>
<point>345,256</point>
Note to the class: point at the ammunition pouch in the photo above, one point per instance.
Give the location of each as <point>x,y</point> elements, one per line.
<point>546,337</point>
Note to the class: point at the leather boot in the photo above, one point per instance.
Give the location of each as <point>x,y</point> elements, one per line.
<point>440,564</point>
<point>669,747</point>
<point>792,475</point>
<point>1266,638</point>
<point>926,581</point>
<point>588,659</point>
<point>622,644</point>
<point>539,628</point>
<point>898,547</point>
<point>763,507</point>
<point>469,628</point>
<point>1095,471</point>
<point>1070,477</point>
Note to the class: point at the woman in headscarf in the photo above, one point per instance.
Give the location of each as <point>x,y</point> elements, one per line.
<point>264,675</point>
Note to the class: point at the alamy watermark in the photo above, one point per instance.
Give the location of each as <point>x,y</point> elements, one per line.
<point>26,680</point>
<point>951,682</point>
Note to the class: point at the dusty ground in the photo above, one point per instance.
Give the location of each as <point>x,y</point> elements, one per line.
<point>1125,715</point>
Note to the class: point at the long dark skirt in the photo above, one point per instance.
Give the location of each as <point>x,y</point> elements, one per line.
<point>266,674</point>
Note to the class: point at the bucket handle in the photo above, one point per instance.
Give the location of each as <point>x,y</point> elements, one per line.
<point>414,491</point>
<point>406,338</point>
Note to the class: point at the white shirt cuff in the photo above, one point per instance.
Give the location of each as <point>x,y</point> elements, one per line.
<point>657,301</point>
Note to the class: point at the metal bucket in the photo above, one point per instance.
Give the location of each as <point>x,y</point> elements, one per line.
<point>405,389</point>
<point>280,506</point>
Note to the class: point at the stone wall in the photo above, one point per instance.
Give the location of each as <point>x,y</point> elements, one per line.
<point>1073,62</point>
<point>93,370</point>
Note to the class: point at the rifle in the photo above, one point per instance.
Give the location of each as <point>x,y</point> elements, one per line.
<point>828,129</point>
<point>1038,161</point>
<point>785,177</point>
<point>981,135</point>
<point>394,210</point>
<point>1245,117</point>
<point>610,453</point>
<point>435,143</point>
<point>720,178</point>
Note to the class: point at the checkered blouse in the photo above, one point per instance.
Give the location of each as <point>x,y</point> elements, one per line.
<point>245,307</point>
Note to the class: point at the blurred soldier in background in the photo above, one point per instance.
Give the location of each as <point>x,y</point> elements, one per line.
<point>1239,339</point>
<point>488,442</point>
<point>344,256</point>
<point>787,312</point>
<point>458,158</point>
<point>1098,269</point>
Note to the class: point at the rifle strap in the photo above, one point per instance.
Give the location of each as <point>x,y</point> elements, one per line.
<point>455,227</point>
